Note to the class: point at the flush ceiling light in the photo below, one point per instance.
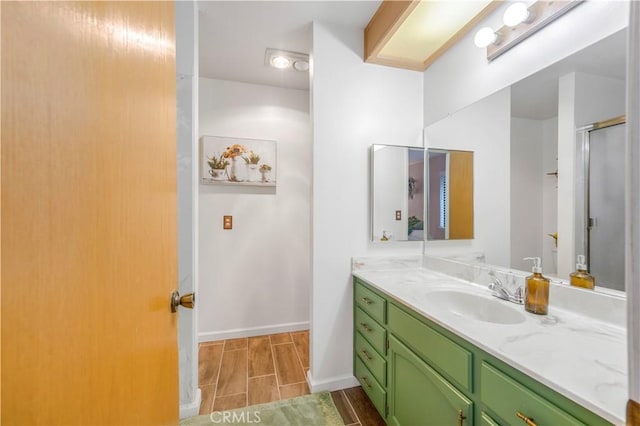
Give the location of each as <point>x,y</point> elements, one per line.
<point>285,60</point>
<point>516,14</point>
<point>485,37</point>
<point>280,62</point>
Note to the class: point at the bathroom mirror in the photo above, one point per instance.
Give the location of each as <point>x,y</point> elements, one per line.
<point>397,196</point>
<point>535,176</point>
<point>449,194</point>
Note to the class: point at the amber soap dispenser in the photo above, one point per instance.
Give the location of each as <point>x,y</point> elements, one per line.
<point>581,278</point>
<point>536,298</point>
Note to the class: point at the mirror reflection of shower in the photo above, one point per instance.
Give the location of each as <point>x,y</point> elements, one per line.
<point>600,202</point>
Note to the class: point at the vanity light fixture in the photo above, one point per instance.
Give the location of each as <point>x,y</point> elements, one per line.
<point>520,23</point>
<point>286,60</point>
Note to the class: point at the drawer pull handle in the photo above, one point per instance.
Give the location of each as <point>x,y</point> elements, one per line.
<point>461,417</point>
<point>366,382</point>
<point>528,421</point>
<point>366,300</point>
<point>366,327</point>
<point>366,355</point>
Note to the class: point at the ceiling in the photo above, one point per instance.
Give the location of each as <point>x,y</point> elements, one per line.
<point>233,35</point>
<point>536,97</point>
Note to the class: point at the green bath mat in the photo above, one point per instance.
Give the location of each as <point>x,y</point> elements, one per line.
<point>310,410</point>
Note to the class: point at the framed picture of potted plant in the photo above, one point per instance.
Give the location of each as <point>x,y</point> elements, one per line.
<point>236,161</point>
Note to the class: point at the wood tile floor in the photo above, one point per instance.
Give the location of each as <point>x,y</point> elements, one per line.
<point>237,373</point>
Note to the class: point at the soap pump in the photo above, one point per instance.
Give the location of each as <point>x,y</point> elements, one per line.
<point>536,298</point>
<point>581,278</point>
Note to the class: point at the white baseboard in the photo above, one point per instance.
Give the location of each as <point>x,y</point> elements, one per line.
<point>331,384</point>
<point>193,408</point>
<point>250,332</point>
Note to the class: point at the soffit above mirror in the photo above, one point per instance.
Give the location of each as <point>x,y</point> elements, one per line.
<point>413,34</point>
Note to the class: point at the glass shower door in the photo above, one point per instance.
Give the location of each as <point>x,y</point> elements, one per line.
<point>605,227</point>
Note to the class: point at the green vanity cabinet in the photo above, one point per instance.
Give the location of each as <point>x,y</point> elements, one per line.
<point>417,395</point>
<point>417,373</point>
<point>370,345</point>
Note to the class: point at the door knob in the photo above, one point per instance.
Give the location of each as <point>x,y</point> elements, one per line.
<point>188,300</point>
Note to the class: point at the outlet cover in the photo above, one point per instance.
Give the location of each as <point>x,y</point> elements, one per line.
<point>227,222</point>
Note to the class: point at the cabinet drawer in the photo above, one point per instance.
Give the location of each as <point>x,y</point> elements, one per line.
<point>375,334</point>
<point>432,346</point>
<point>506,397</point>
<point>371,303</point>
<point>372,359</point>
<point>372,388</point>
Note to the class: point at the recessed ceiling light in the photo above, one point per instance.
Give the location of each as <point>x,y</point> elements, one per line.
<point>285,60</point>
<point>301,65</point>
<point>280,62</point>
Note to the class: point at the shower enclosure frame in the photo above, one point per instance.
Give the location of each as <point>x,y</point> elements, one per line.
<point>585,133</point>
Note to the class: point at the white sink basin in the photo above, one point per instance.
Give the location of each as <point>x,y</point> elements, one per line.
<point>476,307</point>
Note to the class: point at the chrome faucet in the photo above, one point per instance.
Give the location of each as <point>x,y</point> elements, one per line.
<point>500,291</point>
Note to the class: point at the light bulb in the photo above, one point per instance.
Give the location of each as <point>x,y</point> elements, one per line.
<point>515,14</point>
<point>280,62</point>
<point>484,37</point>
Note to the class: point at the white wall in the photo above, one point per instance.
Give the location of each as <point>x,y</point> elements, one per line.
<point>566,172</point>
<point>549,195</point>
<point>484,129</point>
<point>354,105</point>
<point>534,151</point>
<point>598,98</point>
<point>463,76</point>
<point>256,278</point>
<point>526,192</point>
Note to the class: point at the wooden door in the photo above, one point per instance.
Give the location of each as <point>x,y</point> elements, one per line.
<point>88,213</point>
<point>419,396</point>
<point>460,195</point>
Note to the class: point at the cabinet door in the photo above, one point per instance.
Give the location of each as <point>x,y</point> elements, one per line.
<point>418,395</point>
<point>486,420</point>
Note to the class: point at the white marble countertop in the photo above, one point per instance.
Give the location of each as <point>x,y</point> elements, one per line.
<point>579,357</point>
